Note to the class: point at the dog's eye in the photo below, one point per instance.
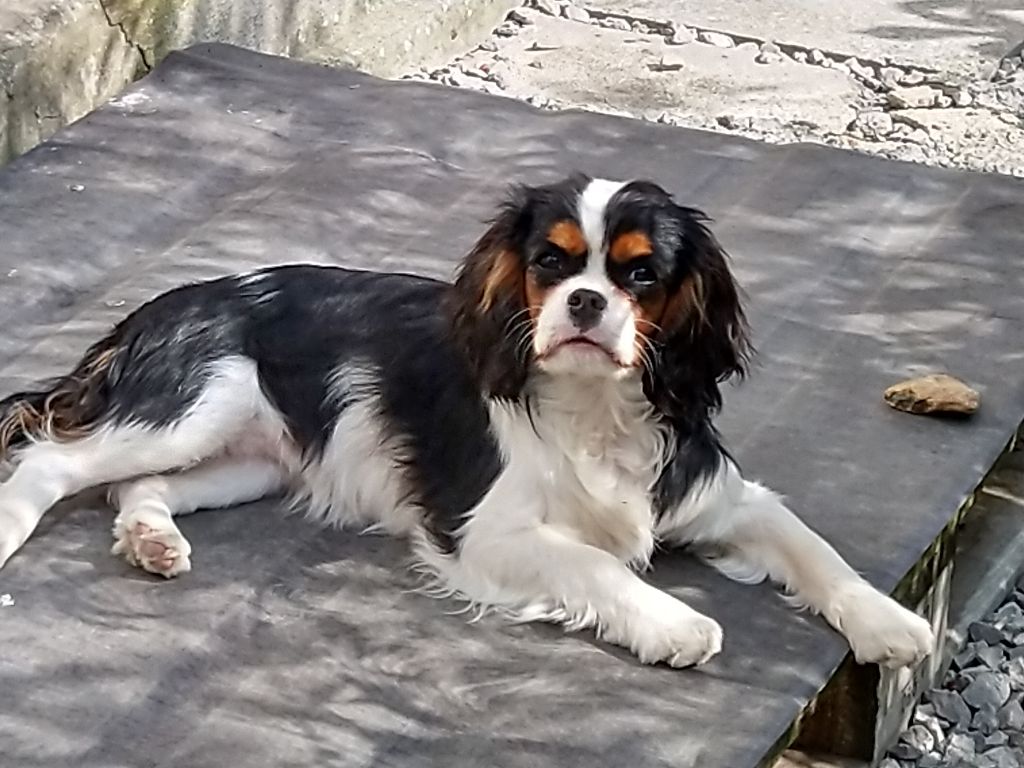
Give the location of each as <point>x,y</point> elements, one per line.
<point>642,275</point>
<point>550,260</point>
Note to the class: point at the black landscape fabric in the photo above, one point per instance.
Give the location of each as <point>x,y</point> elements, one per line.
<point>290,646</point>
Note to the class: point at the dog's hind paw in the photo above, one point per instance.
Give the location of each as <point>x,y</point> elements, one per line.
<point>153,543</point>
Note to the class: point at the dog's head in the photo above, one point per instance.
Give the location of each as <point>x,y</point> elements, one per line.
<point>593,278</point>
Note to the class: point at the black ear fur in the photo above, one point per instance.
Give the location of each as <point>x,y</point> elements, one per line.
<point>488,304</point>
<point>709,342</point>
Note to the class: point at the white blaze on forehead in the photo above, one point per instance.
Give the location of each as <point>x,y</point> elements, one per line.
<point>593,207</point>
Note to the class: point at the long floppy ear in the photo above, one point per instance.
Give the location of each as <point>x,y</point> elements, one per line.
<point>704,338</point>
<point>488,304</point>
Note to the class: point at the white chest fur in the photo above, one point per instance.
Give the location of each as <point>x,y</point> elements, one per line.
<point>587,459</point>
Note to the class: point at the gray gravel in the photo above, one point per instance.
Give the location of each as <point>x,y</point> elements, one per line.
<point>976,718</point>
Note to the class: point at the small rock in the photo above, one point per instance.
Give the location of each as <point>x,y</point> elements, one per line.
<point>984,633</point>
<point>860,70</point>
<point>716,39</point>
<point>951,708</point>
<point>874,125</point>
<point>507,30</point>
<point>6,600</point>
<point>917,741</point>
<point>575,13</point>
<point>547,7</point>
<point>917,136</point>
<point>1015,673</point>
<point>77,187</point>
<point>1009,119</point>
<point>666,64</point>
<point>1009,617</point>
<point>1011,716</point>
<point>996,739</point>
<point>960,747</point>
<point>612,23</point>
<point>931,722</point>
<point>968,655</point>
<point>800,56</point>
<point>913,98</point>
<point>912,78</point>
<point>937,393</point>
<point>536,64</point>
<point>489,45</point>
<point>962,680</point>
<point>681,36</point>
<point>890,77</point>
<point>518,17</point>
<point>987,688</point>
<point>986,719</point>
<point>991,656</point>
<point>769,53</point>
<point>1003,757</point>
<point>816,57</point>
<point>733,123</point>
<point>962,98</point>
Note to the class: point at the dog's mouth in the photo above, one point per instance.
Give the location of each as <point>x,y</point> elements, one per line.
<point>583,344</point>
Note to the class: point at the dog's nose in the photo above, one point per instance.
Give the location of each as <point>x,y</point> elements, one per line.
<point>585,308</point>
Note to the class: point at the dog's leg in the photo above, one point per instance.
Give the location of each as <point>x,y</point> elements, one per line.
<point>230,405</point>
<point>144,532</point>
<point>756,535</point>
<point>542,572</point>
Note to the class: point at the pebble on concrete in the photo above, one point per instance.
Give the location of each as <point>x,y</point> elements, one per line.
<point>769,53</point>
<point>681,36</point>
<point>935,393</point>
<point>914,97</point>
<point>575,13</point>
<point>716,39</point>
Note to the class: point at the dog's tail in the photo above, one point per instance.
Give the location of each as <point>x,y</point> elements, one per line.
<point>65,408</point>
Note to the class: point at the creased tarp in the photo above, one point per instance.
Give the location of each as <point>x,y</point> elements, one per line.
<point>289,646</point>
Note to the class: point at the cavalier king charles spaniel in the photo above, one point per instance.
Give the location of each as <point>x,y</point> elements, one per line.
<point>535,428</point>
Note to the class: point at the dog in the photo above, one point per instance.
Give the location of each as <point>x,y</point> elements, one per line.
<point>535,428</point>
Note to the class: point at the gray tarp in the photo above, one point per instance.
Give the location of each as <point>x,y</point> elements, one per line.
<point>288,646</point>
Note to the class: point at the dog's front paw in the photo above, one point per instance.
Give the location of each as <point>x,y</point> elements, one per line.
<point>666,630</point>
<point>880,630</point>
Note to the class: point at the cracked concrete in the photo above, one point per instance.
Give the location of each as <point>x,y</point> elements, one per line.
<point>826,80</point>
<point>124,33</point>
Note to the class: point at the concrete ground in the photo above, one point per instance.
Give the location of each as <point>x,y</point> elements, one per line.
<point>940,87</point>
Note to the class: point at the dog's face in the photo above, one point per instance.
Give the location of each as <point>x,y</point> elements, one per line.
<point>593,278</point>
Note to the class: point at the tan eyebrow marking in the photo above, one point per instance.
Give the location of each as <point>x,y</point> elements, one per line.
<point>629,246</point>
<point>568,236</point>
